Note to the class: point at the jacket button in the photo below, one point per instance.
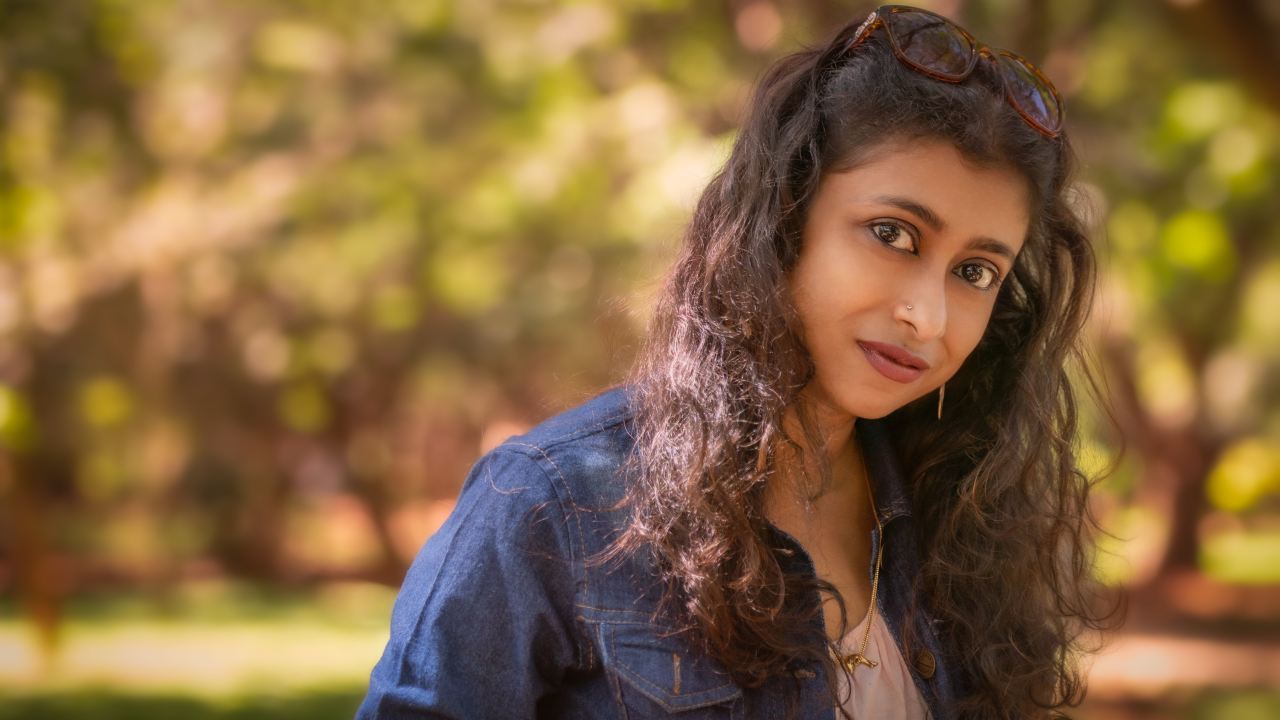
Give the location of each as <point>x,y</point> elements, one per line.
<point>925,664</point>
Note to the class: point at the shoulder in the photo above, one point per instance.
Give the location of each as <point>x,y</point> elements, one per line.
<point>595,417</point>
<point>526,502</point>
<point>536,488</point>
<point>581,450</point>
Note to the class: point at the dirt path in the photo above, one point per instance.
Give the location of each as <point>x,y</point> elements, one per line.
<point>1148,666</point>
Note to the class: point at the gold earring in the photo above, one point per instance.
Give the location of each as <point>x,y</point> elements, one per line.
<point>942,391</point>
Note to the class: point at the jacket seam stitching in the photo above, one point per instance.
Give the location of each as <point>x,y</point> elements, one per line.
<point>609,421</point>
<point>575,549</point>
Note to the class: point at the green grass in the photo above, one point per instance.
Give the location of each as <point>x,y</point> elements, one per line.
<point>111,704</point>
<point>211,644</point>
<point>1256,704</point>
<point>223,651</point>
<point>1183,704</point>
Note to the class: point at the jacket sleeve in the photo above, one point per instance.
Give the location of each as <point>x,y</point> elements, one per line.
<point>483,624</point>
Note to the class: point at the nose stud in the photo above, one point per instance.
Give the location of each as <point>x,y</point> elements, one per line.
<point>911,307</point>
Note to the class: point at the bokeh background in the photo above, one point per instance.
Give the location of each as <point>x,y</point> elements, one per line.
<point>274,273</point>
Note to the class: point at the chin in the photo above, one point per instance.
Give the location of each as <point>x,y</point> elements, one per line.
<point>871,407</point>
<point>879,412</point>
<point>861,400</point>
<point>875,411</point>
<point>875,402</point>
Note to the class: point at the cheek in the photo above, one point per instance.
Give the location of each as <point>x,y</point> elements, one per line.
<point>815,288</point>
<point>965,331</point>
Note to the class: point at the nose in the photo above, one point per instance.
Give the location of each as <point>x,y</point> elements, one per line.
<point>923,306</point>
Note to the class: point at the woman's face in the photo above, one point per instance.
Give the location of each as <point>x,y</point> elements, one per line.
<point>901,261</point>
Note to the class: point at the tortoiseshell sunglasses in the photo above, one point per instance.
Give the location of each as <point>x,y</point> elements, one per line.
<point>933,45</point>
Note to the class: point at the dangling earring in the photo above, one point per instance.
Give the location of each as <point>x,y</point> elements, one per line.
<point>942,391</point>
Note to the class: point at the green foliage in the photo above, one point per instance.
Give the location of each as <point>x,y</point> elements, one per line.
<point>296,256</point>
<point>1242,557</point>
<point>16,428</point>
<point>1247,473</point>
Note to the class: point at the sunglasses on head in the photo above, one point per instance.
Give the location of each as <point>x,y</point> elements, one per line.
<point>933,45</point>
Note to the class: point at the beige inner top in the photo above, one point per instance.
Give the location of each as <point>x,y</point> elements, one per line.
<point>886,690</point>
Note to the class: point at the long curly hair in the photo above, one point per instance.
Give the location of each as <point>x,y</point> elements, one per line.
<point>1001,505</point>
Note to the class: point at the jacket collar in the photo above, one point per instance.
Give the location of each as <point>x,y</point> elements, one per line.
<point>884,470</point>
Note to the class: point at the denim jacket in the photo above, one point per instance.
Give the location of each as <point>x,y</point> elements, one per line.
<point>501,615</point>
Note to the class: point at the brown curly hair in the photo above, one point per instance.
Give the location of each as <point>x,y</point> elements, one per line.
<point>1001,504</point>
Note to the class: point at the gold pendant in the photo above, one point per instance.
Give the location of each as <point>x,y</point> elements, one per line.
<point>851,662</point>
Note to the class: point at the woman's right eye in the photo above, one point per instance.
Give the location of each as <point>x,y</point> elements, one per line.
<point>894,235</point>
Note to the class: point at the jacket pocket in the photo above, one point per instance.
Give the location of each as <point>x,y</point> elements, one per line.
<point>661,676</point>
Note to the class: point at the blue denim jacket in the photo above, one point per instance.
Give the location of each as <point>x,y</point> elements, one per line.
<point>501,616</point>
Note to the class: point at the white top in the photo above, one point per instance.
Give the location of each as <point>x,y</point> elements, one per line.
<point>883,692</point>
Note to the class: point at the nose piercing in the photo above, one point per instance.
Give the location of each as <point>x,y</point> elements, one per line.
<point>911,307</point>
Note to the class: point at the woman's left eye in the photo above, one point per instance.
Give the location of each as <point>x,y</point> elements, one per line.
<point>983,277</point>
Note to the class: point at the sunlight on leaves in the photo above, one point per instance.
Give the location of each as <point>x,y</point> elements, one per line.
<point>1242,557</point>
<point>296,45</point>
<point>1261,321</point>
<point>17,427</point>
<point>1132,539</point>
<point>1165,382</point>
<point>304,407</point>
<point>1198,242</point>
<point>1197,110</point>
<point>105,401</point>
<point>1247,472</point>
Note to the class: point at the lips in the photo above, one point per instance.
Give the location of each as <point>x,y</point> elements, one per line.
<point>896,354</point>
<point>893,362</point>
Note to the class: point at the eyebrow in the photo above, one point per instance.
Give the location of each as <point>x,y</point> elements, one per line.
<point>932,219</point>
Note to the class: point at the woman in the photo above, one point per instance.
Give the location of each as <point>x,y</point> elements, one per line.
<point>841,481</point>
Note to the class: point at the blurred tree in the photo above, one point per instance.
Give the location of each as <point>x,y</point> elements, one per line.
<point>273,267</point>
<point>1213,257</point>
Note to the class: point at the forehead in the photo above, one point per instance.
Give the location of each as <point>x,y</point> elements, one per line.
<point>970,199</point>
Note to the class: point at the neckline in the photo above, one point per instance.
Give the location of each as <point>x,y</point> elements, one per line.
<point>854,634</point>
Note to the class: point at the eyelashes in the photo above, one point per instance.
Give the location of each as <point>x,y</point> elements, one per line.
<point>892,234</point>
<point>902,237</point>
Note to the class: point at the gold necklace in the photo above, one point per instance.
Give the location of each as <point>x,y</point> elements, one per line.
<point>852,661</point>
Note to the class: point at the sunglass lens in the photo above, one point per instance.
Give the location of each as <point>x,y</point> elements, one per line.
<point>1029,92</point>
<point>931,42</point>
